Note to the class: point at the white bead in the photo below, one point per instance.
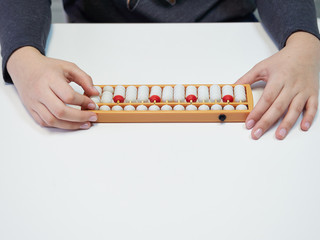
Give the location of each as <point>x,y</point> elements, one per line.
<point>191,108</point>
<point>203,94</point>
<point>129,108</point>
<point>179,93</point>
<point>204,108</point>
<point>97,107</point>
<point>117,108</point>
<point>191,90</point>
<point>143,94</point>
<point>106,97</point>
<point>240,93</point>
<point>228,107</point>
<point>120,90</point>
<point>154,108</point>
<point>142,108</point>
<point>99,89</point>
<point>167,94</point>
<point>241,107</point>
<point>178,108</point>
<point>227,90</point>
<point>105,108</point>
<point>166,108</point>
<point>96,99</point>
<point>131,94</point>
<point>108,89</point>
<point>216,107</point>
<point>215,93</point>
<point>156,90</point>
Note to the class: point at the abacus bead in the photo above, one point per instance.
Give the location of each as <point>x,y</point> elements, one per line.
<point>228,107</point>
<point>167,94</point>
<point>108,89</point>
<point>191,98</point>
<point>241,107</point>
<point>204,108</point>
<point>117,108</point>
<point>129,108</point>
<point>98,89</point>
<point>227,93</point>
<point>96,99</point>
<point>154,108</point>
<point>142,108</point>
<point>227,98</point>
<point>216,107</point>
<point>105,108</point>
<point>97,107</point>
<point>191,108</point>
<point>118,98</point>
<point>131,94</point>
<point>179,95</point>
<point>166,108</point>
<point>119,94</point>
<point>203,94</point>
<point>191,94</point>
<point>178,108</point>
<point>240,93</point>
<point>143,94</point>
<point>215,93</point>
<point>155,94</point>
<point>106,97</point>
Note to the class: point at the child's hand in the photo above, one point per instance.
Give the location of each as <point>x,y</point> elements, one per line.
<point>42,84</point>
<point>292,77</point>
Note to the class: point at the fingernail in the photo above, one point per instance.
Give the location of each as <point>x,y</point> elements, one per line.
<point>85,126</point>
<point>93,118</point>
<point>307,125</point>
<point>283,132</point>
<point>250,124</point>
<point>91,106</point>
<point>94,89</point>
<point>258,133</point>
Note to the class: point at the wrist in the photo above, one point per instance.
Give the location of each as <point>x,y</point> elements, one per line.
<point>303,39</point>
<point>20,59</point>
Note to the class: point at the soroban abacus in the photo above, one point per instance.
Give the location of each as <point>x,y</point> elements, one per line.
<point>173,103</point>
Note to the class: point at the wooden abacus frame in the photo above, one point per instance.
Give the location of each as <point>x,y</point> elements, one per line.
<point>176,116</point>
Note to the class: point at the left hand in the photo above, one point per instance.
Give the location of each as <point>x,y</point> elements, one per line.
<point>292,77</point>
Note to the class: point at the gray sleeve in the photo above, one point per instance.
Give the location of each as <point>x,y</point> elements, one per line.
<point>23,23</point>
<point>281,18</point>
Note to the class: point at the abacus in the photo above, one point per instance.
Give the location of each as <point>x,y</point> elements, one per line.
<point>173,103</point>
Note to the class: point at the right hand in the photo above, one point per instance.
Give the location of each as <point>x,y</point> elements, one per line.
<point>42,84</point>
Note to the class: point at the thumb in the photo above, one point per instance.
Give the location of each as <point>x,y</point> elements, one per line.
<point>254,75</point>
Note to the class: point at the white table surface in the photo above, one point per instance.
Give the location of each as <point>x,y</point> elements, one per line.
<point>157,181</point>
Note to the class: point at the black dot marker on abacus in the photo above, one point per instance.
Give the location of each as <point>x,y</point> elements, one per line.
<point>222,117</point>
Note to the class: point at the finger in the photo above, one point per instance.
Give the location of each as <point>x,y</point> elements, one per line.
<point>310,113</point>
<point>37,118</point>
<point>255,74</point>
<point>294,111</point>
<point>67,95</point>
<point>273,114</point>
<point>270,93</point>
<point>51,121</point>
<point>78,76</point>
<point>63,112</point>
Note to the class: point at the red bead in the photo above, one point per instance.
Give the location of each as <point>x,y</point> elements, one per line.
<point>227,98</point>
<point>192,98</point>
<point>118,98</point>
<point>155,98</point>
